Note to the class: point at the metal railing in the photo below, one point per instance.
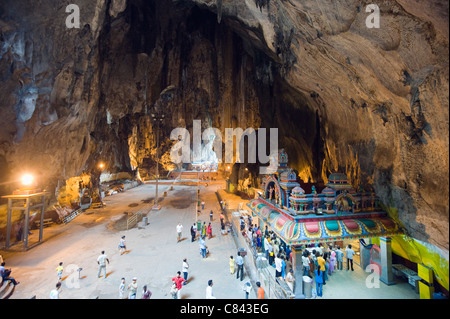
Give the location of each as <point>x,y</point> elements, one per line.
<point>71,216</point>
<point>133,219</point>
<point>275,289</point>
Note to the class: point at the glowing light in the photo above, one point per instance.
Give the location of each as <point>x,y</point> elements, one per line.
<point>101,165</point>
<point>27,179</point>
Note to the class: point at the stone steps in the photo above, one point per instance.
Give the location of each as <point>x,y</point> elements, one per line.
<point>6,289</point>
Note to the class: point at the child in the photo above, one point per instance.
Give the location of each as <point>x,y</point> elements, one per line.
<point>59,270</point>
<point>122,288</point>
<point>174,291</point>
<point>122,245</point>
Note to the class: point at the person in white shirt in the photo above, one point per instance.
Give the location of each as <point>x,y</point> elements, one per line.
<point>305,261</point>
<point>122,288</point>
<point>101,261</point>
<point>122,245</point>
<point>247,288</point>
<point>349,252</point>
<point>179,230</point>
<point>209,291</point>
<point>185,270</point>
<point>278,265</point>
<point>54,294</point>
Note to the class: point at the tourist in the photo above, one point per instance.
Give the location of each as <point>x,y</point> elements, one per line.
<point>101,261</point>
<point>339,258</point>
<point>232,265</point>
<point>283,266</point>
<point>178,280</point>
<point>254,239</point>
<point>179,230</point>
<point>240,266</point>
<point>122,245</point>
<point>146,294</point>
<point>185,269</point>
<point>258,242</point>
<point>211,215</point>
<point>266,245</point>
<point>288,253</point>
<point>260,293</point>
<point>132,287</point>
<point>278,266</point>
<point>193,232</point>
<point>6,274</point>
<point>305,261</point>
<point>290,280</point>
<point>209,231</point>
<point>209,291</point>
<point>222,226</point>
<point>247,289</point>
<point>276,247</point>
<point>54,294</point>
<point>122,288</point>
<point>204,230</point>
<point>349,252</point>
<point>202,245</point>
<point>59,271</point>
<point>203,205</point>
<point>319,249</point>
<point>174,291</point>
<point>319,281</point>
<point>332,262</point>
<point>325,272</point>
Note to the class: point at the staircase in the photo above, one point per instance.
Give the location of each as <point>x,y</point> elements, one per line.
<point>6,289</point>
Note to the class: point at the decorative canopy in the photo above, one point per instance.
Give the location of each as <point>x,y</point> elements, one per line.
<point>296,230</point>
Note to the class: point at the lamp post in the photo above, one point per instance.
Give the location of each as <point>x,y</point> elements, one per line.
<point>157,118</point>
<point>101,166</point>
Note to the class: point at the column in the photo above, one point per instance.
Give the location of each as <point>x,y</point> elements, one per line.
<point>8,224</point>
<point>387,276</point>
<point>297,266</point>
<point>27,220</point>
<point>41,225</point>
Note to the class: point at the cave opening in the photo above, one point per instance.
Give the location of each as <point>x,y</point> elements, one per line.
<point>221,77</point>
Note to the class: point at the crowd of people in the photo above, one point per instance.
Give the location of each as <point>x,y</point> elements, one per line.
<point>319,261</point>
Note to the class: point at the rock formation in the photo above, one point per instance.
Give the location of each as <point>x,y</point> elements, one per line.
<point>371,102</point>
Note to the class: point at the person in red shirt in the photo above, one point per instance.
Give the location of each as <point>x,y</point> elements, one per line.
<point>209,231</point>
<point>178,280</point>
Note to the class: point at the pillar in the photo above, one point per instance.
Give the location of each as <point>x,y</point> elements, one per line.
<point>8,224</point>
<point>41,224</point>
<point>297,266</point>
<point>27,220</point>
<point>387,276</point>
<point>426,287</point>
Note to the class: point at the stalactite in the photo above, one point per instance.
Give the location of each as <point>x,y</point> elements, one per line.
<point>219,11</point>
<point>262,3</point>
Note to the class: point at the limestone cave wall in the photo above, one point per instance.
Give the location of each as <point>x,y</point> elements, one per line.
<point>371,102</point>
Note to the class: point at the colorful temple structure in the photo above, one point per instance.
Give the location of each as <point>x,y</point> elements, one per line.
<point>337,213</point>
